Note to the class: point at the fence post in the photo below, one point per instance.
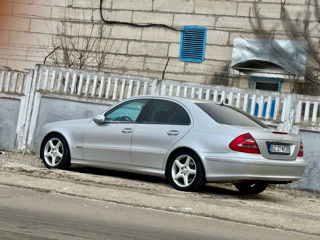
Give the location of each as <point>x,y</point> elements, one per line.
<point>287,117</point>
<point>32,110</point>
<point>21,129</point>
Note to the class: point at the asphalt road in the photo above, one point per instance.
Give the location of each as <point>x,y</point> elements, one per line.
<point>28,214</point>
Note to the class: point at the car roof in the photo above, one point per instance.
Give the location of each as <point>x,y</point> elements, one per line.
<point>182,100</point>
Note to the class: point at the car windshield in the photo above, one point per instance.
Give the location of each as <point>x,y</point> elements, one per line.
<point>229,115</point>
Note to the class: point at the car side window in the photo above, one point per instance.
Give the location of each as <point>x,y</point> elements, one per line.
<point>165,112</point>
<point>126,112</point>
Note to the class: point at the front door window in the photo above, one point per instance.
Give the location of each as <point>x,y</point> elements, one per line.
<point>127,112</point>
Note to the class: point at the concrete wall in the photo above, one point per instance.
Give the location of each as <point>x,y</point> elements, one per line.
<point>9,111</point>
<point>53,109</point>
<point>311,177</point>
<point>32,25</point>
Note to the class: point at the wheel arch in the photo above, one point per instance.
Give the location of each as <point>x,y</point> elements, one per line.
<point>178,149</point>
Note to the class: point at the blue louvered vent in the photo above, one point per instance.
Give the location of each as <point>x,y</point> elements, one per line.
<point>193,44</point>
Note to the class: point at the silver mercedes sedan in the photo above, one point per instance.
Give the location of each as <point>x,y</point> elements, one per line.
<point>190,142</point>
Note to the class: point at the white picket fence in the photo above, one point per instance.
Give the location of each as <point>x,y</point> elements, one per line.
<point>13,82</point>
<point>93,84</point>
<point>269,106</point>
<point>287,112</point>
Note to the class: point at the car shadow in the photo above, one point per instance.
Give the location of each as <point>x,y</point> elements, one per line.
<point>118,174</point>
<point>228,190</point>
<point>217,189</point>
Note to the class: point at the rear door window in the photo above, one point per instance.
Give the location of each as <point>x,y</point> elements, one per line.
<point>165,112</point>
<point>230,116</point>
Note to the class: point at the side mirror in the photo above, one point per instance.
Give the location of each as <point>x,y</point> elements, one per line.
<point>99,119</point>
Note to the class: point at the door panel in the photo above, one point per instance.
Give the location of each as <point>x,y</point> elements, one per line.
<point>109,142</point>
<point>151,142</point>
<point>162,124</point>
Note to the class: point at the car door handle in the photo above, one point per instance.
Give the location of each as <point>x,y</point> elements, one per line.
<point>126,130</point>
<point>173,133</point>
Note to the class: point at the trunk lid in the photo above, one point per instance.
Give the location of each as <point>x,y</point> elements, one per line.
<point>276,146</point>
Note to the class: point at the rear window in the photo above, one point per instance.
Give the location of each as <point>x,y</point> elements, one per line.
<point>230,116</point>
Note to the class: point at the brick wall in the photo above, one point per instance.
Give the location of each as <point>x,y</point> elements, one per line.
<point>26,38</point>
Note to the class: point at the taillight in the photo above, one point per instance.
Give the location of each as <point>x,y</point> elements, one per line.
<point>245,143</point>
<point>300,154</point>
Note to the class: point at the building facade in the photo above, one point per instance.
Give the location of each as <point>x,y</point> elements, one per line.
<point>77,35</point>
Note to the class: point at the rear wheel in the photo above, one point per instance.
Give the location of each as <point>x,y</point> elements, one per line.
<point>185,171</point>
<point>55,152</point>
<point>251,187</point>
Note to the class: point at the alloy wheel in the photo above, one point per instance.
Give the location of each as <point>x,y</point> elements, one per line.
<point>53,152</point>
<point>183,171</point>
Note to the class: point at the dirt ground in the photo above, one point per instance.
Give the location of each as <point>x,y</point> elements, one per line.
<point>279,208</point>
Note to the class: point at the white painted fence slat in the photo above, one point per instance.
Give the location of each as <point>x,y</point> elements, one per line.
<point>192,92</point>
<point>223,97</point>
<point>130,88</point>
<point>208,94</point>
<point>200,93</point>
<point>284,110</point>
<point>314,112</point>
<point>115,89</point>
<point>53,77</point>
<point>66,83</point>
<point>123,85</point>
<point>2,80</point>
<point>261,106</point>
<point>138,87</point>
<point>185,91</point>
<point>7,84</point>
<point>46,79</point>
<point>238,100</point>
<point>145,88</point>
<point>80,85</point>
<point>21,80</point>
<point>170,90</point>
<point>253,104</point>
<point>298,112</point>
<point>73,84</point>
<point>101,88</point>
<point>268,110</point>
<point>163,89</point>
<point>245,102</point>
<point>94,86</point>
<point>88,80</point>
<point>215,95</point>
<point>306,112</point>
<point>59,81</point>
<point>14,82</point>
<point>276,108</point>
<point>108,89</point>
<point>230,99</point>
<point>178,91</point>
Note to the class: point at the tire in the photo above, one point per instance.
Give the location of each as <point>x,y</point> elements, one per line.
<point>251,187</point>
<point>55,152</point>
<point>185,171</point>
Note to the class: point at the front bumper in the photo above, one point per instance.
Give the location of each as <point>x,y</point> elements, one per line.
<point>251,167</point>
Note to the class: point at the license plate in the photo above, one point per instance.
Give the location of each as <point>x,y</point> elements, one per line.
<point>279,149</point>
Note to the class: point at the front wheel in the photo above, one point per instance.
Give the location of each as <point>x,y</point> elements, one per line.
<point>185,171</point>
<point>55,152</point>
<point>251,187</point>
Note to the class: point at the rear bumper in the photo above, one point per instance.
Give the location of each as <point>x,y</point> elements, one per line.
<point>256,167</point>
